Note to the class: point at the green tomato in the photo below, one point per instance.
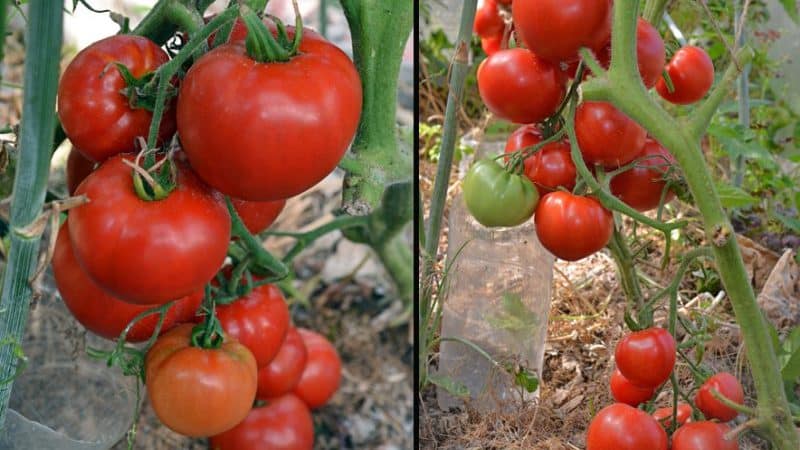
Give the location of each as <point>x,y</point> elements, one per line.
<point>496,197</point>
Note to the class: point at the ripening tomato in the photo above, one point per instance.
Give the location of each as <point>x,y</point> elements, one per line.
<point>556,29</point>
<point>96,116</point>
<point>496,197</point>
<point>196,391</point>
<point>519,86</point>
<point>650,53</point>
<point>283,424</point>
<point>729,387</point>
<point>488,21</point>
<point>258,216</point>
<point>258,320</point>
<point>641,187</point>
<point>298,125</point>
<point>624,391</point>
<point>492,44</point>
<point>550,167</point>
<point>148,252</point>
<point>101,313</point>
<point>664,415</point>
<point>703,435</point>
<point>572,227</point>
<point>78,168</point>
<point>646,357</point>
<point>606,135</point>
<point>623,427</point>
<point>692,74</point>
<point>322,373</point>
<point>283,373</point>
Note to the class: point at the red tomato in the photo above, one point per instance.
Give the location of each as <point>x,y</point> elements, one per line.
<point>664,415</point>
<point>556,29</point>
<point>650,53</point>
<point>148,252</point>
<point>504,2</point>
<point>492,44</point>
<point>96,116</point>
<point>283,373</point>
<point>258,320</point>
<point>692,74</point>
<point>101,313</point>
<point>571,226</point>
<point>323,371</point>
<point>646,357</point>
<point>729,387</point>
<point>298,127</point>
<point>199,392</point>
<point>624,391</point>
<point>623,427</point>
<point>550,167</point>
<point>641,186</point>
<point>517,85</point>
<point>78,168</point>
<point>258,216</point>
<point>607,136</point>
<point>283,424</point>
<point>488,21</point>
<point>703,435</point>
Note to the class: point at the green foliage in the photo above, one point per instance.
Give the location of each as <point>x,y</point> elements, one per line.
<point>430,137</point>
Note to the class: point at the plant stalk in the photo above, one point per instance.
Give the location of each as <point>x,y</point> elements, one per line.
<point>743,89</point>
<point>625,268</point>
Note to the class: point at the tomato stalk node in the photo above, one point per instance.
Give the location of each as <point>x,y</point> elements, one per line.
<point>262,46</point>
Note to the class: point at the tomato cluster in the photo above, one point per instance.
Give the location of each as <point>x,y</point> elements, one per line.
<point>154,236</point>
<point>645,360</point>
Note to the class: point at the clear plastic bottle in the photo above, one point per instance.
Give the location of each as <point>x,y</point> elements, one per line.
<point>498,298</point>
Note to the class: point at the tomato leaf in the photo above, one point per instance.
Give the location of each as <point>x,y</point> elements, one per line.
<point>527,380</point>
<point>791,369</point>
<point>733,197</point>
<point>453,387</point>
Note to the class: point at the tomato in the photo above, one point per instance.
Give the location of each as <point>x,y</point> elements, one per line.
<point>258,216</point>
<point>496,197</point>
<point>703,435</point>
<point>488,21</point>
<point>646,357</point>
<point>607,136</point>
<point>519,86</point>
<point>550,167</point>
<point>95,115</point>
<point>504,2</point>
<point>664,415</point>
<point>283,373</point>
<point>692,74</point>
<point>556,29</point>
<point>78,168</point>
<point>101,313</point>
<point>148,252</point>
<point>650,53</point>
<point>623,427</point>
<point>641,186</point>
<point>571,226</point>
<point>298,127</point>
<point>322,373</point>
<point>283,424</point>
<point>729,387</point>
<point>196,391</point>
<point>492,44</point>
<point>258,320</point>
<point>624,392</point>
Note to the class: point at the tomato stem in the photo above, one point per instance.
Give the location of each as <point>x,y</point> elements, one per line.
<point>261,257</point>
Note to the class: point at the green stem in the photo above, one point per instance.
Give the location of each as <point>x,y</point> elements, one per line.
<point>261,45</point>
<point>654,10</point>
<point>395,255</point>
<point>187,19</point>
<point>3,18</point>
<point>323,18</point>
<point>261,257</point>
<point>43,38</point>
<point>626,269</point>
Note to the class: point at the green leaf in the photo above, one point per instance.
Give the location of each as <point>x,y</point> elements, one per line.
<point>527,380</point>
<point>453,387</point>
<point>791,9</point>
<point>791,369</point>
<point>793,223</point>
<point>515,315</point>
<point>733,197</point>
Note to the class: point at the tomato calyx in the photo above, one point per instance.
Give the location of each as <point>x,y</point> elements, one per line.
<point>141,92</point>
<point>262,46</point>
<point>153,178</point>
<point>209,333</point>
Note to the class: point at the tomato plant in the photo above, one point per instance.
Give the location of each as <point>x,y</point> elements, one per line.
<point>650,53</point>
<point>626,392</point>
<point>607,136</point>
<point>703,436</point>
<point>622,427</point>
<point>488,22</point>
<point>283,373</point>
<point>572,226</point>
<point>549,168</point>
<point>692,74</point>
<point>664,415</point>
<point>642,186</point>
<point>258,216</point>
<point>323,370</point>
<point>497,197</point>
<point>646,357</point>
<point>283,424</point>
<point>729,387</point>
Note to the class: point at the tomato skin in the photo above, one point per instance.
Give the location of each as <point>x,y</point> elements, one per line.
<point>692,73</point>
<point>298,127</point>
<point>664,415</point>
<point>549,168</point>
<point>322,373</point>
<point>496,197</point>
<point>646,358</point>
<point>703,435</point>
<point>488,21</point>
<point>606,135</point>
<point>258,216</point>
<point>572,227</point>
<point>78,168</point>
<point>650,53</point>
<point>101,313</point>
<point>518,86</point>
<point>492,44</point>
<point>199,392</point>
<point>641,186</point>
<point>283,373</point>
<point>258,320</point>
<point>113,235</point>
<point>283,424</point>
<point>728,386</point>
<point>622,427</point>
<point>95,116</point>
<point>556,29</point>
<point>624,391</point>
